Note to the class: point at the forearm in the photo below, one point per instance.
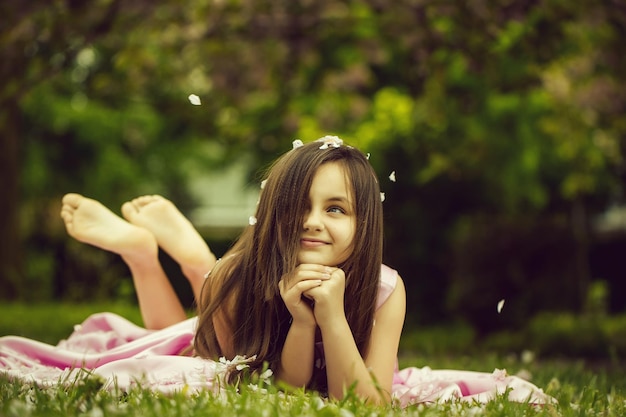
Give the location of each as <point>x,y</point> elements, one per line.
<point>296,361</point>
<point>345,366</point>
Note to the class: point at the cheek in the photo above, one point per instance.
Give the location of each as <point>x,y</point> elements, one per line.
<point>350,238</point>
<point>353,232</point>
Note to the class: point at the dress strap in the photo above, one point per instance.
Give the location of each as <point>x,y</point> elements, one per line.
<point>388,280</point>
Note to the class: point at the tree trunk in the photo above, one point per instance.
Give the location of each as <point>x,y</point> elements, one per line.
<point>580,229</point>
<point>10,247</point>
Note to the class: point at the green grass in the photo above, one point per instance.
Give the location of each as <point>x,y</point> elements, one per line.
<point>85,397</point>
<point>581,387</point>
<point>51,322</point>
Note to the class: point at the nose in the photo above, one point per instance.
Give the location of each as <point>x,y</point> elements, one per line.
<point>312,221</point>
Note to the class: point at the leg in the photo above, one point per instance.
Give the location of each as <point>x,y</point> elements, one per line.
<point>175,234</point>
<point>88,221</point>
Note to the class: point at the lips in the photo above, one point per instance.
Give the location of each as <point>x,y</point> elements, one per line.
<point>312,243</point>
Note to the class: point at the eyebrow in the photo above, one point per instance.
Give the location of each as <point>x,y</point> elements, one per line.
<point>339,199</point>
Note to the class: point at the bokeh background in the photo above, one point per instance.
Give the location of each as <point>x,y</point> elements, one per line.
<point>503,122</point>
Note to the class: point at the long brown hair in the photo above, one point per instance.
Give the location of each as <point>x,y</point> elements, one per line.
<point>245,282</point>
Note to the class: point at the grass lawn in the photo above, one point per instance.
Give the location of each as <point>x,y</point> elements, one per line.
<point>581,387</point>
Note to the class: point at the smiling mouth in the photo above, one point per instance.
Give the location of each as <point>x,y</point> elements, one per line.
<point>312,243</point>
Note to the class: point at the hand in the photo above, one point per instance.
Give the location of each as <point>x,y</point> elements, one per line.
<point>328,297</point>
<point>294,286</point>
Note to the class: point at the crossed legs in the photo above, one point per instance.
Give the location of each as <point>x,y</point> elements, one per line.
<point>151,221</point>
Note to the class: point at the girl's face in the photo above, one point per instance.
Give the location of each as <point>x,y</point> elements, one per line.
<point>330,220</point>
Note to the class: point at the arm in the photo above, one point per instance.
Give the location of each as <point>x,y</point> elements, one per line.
<point>382,355</point>
<point>223,333</point>
<point>373,374</point>
<point>295,366</point>
<point>296,362</point>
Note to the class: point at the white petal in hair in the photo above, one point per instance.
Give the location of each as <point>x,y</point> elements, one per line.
<point>328,141</point>
<point>297,144</point>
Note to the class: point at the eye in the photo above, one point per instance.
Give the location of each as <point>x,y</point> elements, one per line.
<point>336,209</point>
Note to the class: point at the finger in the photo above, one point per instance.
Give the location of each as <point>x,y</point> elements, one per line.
<point>312,293</point>
<point>334,271</point>
<point>297,291</point>
<point>305,286</point>
<point>317,268</point>
<point>305,275</point>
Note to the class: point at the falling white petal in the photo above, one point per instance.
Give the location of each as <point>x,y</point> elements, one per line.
<point>500,305</point>
<point>367,156</point>
<point>382,196</point>
<point>252,220</point>
<point>392,176</point>
<point>194,99</point>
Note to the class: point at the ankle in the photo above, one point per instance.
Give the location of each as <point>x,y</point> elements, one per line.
<point>144,257</point>
<point>195,273</point>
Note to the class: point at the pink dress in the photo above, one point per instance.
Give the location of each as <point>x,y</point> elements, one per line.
<point>125,354</point>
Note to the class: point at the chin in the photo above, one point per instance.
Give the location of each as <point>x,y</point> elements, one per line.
<point>316,260</point>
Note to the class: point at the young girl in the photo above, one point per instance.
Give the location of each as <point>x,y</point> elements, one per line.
<point>303,290</point>
<point>309,271</point>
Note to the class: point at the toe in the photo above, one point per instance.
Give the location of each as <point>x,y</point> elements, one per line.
<point>142,201</point>
<point>72,199</point>
<point>66,215</point>
<point>129,209</point>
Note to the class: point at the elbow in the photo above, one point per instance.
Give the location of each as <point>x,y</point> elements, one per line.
<point>375,395</point>
<point>291,380</point>
<point>380,398</point>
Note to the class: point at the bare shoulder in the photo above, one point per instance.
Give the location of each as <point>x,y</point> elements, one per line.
<point>395,305</point>
<point>399,286</point>
<point>389,318</point>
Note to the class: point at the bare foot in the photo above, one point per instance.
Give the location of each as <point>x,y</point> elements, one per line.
<point>173,232</point>
<point>88,221</point>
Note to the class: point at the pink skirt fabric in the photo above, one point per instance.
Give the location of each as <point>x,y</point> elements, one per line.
<point>125,354</point>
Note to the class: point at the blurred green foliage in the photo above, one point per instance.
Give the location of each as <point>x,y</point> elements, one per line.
<point>503,122</point>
